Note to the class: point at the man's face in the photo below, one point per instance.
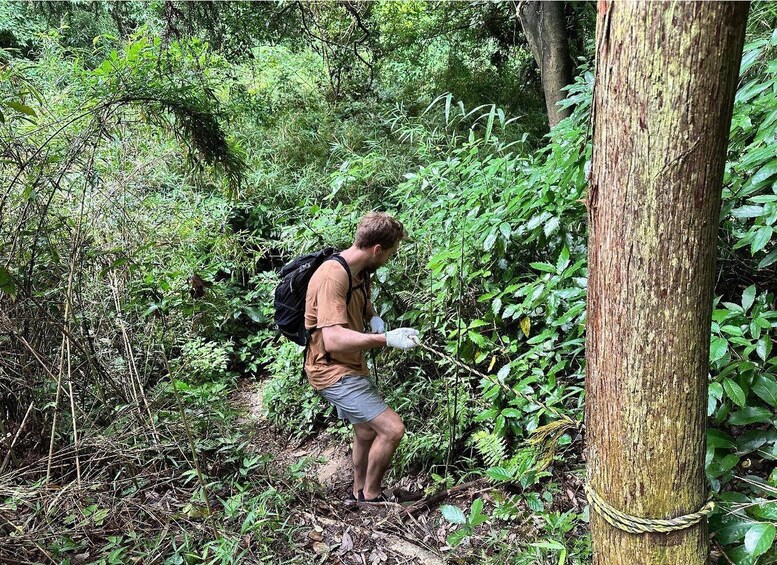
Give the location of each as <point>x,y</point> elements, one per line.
<point>381,256</point>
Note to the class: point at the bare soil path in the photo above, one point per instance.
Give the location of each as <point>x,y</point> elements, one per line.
<point>335,532</point>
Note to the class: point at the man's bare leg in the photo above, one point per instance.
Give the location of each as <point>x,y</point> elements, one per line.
<point>363,438</point>
<point>389,430</point>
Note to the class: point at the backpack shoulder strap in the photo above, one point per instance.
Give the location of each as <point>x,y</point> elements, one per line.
<point>339,259</point>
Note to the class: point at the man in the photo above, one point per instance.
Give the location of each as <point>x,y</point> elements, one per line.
<point>335,363</point>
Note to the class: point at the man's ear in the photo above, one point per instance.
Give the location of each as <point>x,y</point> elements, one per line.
<point>377,248</point>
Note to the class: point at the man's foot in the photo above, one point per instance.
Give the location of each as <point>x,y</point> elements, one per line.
<point>380,498</point>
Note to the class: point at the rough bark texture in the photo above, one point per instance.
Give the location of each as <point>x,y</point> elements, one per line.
<point>665,80</point>
<point>545,29</point>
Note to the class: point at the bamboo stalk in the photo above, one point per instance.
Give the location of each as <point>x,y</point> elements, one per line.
<point>56,407</point>
<point>131,366</point>
<point>73,414</point>
<point>15,437</point>
<point>190,438</point>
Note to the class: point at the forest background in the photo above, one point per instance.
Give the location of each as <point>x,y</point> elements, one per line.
<point>160,162</point>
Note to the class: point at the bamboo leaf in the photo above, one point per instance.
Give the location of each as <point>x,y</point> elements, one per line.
<point>19,107</point>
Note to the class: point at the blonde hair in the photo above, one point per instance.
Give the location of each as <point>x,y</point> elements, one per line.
<point>379,228</point>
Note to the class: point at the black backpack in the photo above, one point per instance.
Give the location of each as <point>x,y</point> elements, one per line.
<point>290,292</point>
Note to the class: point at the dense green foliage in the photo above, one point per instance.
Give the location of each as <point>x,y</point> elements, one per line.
<point>138,161</point>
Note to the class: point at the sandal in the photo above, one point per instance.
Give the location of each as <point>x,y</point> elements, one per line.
<point>380,498</point>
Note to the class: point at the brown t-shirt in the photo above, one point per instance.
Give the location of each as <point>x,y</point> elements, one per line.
<point>325,305</point>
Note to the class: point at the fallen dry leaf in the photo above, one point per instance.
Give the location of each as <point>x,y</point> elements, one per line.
<point>346,544</point>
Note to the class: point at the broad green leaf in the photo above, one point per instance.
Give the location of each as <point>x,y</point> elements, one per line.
<point>534,502</point>
<point>718,348</point>
<point>476,516</point>
<point>768,260</point>
<point>477,338</point>
<point>731,330</point>
<point>747,211</point>
<point>490,240</point>
<point>716,391</point>
<point>764,347</point>
<point>712,403</point>
<point>751,415</point>
<point>255,314</point>
<point>765,172</point>
<point>754,439</point>
<point>764,511</point>
<point>765,386</point>
<point>551,227</point>
<point>571,313</point>
<point>761,238</point>
<point>503,373</point>
<point>759,539</point>
<point>730,528</point>
<point>716,438</point>
<point>453,514</point>
<point>500,474</point>
<point>740,556</point>
<point>748,296</point>
<point>563,260</point>
<point>734,392</point>
<point>728,462</point>
<point>546,267</point>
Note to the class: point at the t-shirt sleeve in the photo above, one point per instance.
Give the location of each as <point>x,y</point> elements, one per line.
<point>330,298</point>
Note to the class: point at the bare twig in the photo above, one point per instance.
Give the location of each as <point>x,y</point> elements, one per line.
<point>15,437</point>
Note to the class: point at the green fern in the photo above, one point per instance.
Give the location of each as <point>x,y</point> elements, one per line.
<point>491,447</point>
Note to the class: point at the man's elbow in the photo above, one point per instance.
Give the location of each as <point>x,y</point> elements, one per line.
<point>331,339</point>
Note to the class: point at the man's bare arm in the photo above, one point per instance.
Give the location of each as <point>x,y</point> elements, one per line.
<point>339,339</point>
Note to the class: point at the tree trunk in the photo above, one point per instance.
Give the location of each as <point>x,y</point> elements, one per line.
<point>666,75</point>
<point>545,29</point>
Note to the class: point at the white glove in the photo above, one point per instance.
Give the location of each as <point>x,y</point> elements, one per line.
<point>377,325</point>
<point>402,338</point>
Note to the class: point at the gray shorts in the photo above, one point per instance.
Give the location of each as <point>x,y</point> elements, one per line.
<point>356,398</point>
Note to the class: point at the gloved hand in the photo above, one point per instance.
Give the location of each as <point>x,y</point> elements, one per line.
<point>377,325</point>
<point>402,338</point>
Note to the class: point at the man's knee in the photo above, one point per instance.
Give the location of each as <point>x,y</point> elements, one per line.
<point>389,426</point>
<point>395,430</point>
<point>399,432</point>
<point>364,432</point>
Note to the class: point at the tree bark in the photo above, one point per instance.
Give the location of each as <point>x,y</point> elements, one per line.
<point>666,75</point>
<point>545,30</point>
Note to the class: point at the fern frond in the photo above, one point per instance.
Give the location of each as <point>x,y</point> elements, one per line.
<point>491,447</point>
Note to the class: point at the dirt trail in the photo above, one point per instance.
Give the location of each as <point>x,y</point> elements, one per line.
<point>335,532</point>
